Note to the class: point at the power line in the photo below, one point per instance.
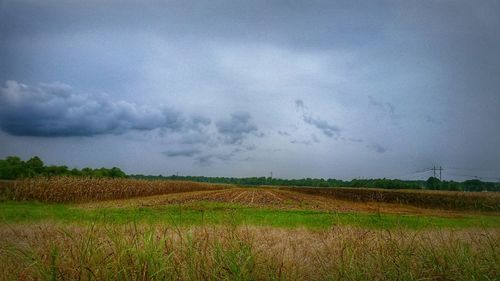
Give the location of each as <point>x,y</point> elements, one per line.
<point>473,170</point>
<point>416,172</point>
<point>422,171</point>
<point>475,177</point>
<point>438,172</point>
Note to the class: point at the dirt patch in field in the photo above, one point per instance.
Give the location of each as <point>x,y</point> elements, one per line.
<point>274,198</point>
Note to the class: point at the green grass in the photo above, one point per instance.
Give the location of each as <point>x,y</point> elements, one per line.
<point>222,213</point>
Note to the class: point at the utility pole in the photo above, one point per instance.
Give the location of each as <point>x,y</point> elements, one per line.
<point>271,174</point>
<point>440,169</point>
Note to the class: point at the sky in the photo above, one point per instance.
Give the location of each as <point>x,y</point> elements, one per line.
<point>330,89</point>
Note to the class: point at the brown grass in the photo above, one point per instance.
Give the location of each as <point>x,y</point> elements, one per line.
<point>48,252</point>
<point>70,189</point>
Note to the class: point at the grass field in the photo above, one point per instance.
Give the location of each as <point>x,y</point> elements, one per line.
<point>199,213</point>
<point>180,231</point>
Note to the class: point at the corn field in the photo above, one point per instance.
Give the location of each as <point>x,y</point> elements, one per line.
<point>72,189</point>
<point>446,200</point>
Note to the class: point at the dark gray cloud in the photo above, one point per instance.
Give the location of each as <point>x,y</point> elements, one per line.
<point>299,23</point>
<point>299,104</point>
<point>328,129</point>
<point>313,140</point>
<point>236,128</point>
<point>185,152</point>
<point>198,122</point>
<point>306,142</point>
<point>51,110</point>
<point>209,159</point>
<point>377,148</point>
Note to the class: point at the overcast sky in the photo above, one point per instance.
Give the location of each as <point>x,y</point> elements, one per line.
<point>332,89</point>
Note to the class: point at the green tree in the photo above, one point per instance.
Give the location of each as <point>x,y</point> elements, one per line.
<point>36,166</point>
<point>15,168</point>
<point>116,173</point>
<point>87,172</point>
<point>75,172</point>
<point>473,185</point>
<point>433,183</point>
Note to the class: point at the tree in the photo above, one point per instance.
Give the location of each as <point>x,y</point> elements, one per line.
<point>75,172</point>
<point>57,170</point>
<point>473,185</point>
<point>87,172</point>
<point>116,173</point>
<point>35,164</point>
<point>433,183</point>
<point>15,168</point>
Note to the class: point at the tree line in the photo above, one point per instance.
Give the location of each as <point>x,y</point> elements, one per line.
<point>14,167</point>
<point>431,183</point>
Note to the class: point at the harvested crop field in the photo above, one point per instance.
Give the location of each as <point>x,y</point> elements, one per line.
<point>274,198</point>
<point>127,192</point>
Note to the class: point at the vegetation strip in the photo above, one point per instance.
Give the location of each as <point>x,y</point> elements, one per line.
<point>13,167</point>
<point>200,213</point>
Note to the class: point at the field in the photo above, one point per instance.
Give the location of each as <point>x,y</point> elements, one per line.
<point>90,229</point>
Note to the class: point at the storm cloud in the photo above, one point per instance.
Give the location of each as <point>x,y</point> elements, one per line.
<point>324,126</point>
<point>55,110</point>
<point>328,129</point>
<point>236,128</point>
<point>186,152</point>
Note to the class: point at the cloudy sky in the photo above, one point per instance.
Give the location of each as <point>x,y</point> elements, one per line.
<point>333,89</point>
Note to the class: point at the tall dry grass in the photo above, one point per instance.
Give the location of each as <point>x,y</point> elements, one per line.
<point>47,252</point>
<point>72,189</point>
